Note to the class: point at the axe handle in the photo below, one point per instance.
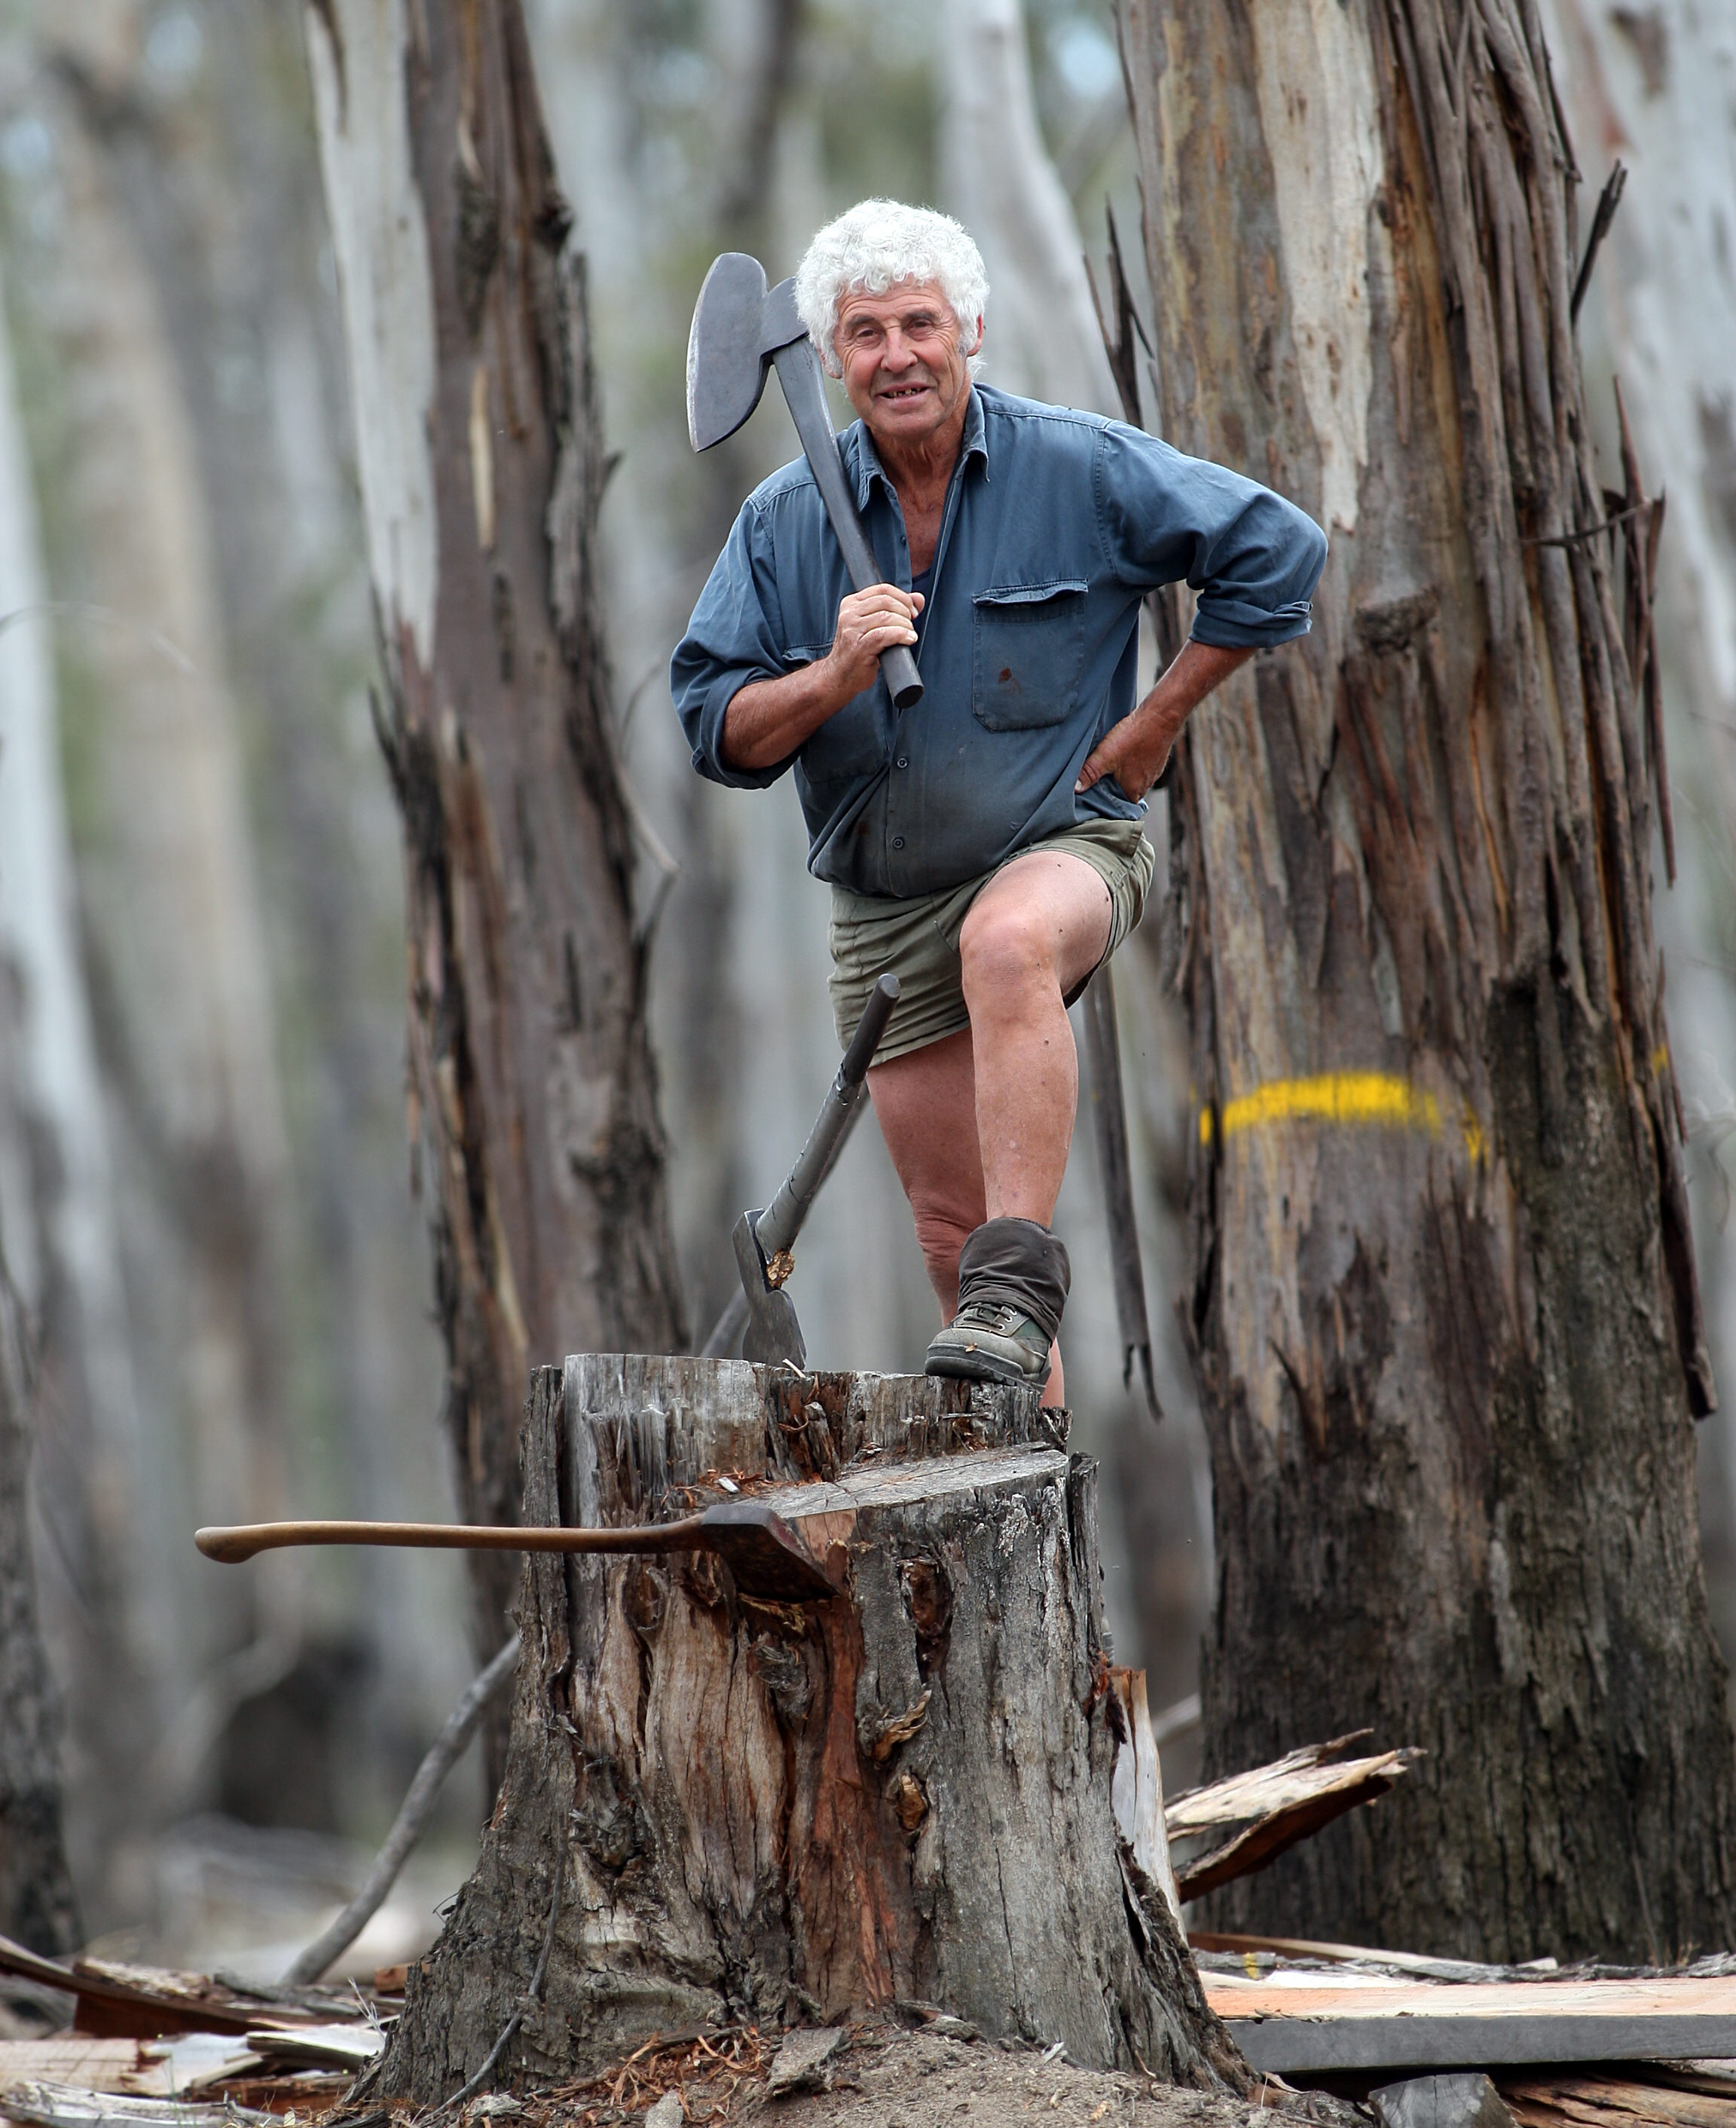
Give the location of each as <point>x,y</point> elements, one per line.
<point>778,1224</point>
<point>231,1545</point>
<point>798,373</point>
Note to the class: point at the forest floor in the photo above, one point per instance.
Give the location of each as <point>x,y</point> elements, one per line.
<point>884,2077</point>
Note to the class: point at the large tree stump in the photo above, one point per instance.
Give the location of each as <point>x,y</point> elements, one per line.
<point>767,1811</point>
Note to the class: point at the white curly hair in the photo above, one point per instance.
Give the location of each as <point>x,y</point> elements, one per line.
<point>876,245</point>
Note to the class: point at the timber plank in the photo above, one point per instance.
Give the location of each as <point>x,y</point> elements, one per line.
<point>1301,2024</point>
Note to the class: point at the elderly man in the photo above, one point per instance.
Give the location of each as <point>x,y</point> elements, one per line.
<point>986,845</point>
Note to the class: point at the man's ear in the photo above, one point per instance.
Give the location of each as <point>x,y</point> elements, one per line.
<point>976,345</point>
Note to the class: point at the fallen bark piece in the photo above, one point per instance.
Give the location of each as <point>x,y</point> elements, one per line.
<point>668,2113</point>
<point>1288,1801</point>
<point>1586,2102</point>
<point>1466,2100</point>
<point>1306,2023</point>
<point>318,2046</point>
<point>140,2002</point>
<point>67,2105</point>
<point>1284,1950</point>
<point>802,2062</point>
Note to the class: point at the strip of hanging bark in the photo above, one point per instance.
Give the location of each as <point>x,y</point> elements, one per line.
<point>410,1823</point>
<point>1289,1799</point>
<point>1644,523</point>
<point>1608,200</point>
<point>1118,342</point>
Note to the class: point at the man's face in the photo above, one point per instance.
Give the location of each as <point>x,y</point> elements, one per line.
<point>904,360</point>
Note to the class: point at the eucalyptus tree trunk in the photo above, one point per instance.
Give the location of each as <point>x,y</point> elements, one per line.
<point>37,1906</point>
<point>173,967</point>
<point>1652,89</point>
<point>481,466</point>
<point>1444,1306</point>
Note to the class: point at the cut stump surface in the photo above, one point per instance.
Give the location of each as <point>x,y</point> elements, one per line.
<point>742,1811</point>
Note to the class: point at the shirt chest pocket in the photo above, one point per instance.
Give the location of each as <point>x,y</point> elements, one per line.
<point>1028,646</point>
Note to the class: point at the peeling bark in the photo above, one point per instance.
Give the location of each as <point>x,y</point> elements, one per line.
<point>760,1810</point>
<point>482,470</point>
<point>1444,1303</point>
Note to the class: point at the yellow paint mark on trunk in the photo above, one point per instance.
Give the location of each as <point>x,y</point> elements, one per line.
<point>1377,1098</point>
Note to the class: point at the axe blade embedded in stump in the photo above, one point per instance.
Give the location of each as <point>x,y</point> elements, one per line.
<point>740,330</point>
<point>764,1556</point>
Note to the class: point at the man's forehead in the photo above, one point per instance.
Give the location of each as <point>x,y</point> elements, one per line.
<point>902,298</point>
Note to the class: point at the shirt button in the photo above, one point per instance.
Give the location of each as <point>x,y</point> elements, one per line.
<point>897,842</point>
<point>902,762</point>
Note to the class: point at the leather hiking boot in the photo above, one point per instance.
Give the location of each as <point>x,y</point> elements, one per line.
<point>987,1341</point>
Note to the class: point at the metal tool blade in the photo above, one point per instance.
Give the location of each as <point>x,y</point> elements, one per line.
<point>727,358</point>
<point>773,1334</point>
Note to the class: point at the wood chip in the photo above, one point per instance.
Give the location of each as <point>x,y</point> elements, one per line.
<point>802,2062</point>
<point>1287,1801</point>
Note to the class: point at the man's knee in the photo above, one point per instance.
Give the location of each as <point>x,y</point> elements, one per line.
<point>1005,952</point>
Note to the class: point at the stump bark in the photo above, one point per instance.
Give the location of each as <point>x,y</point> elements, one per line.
<point>742,1811</point>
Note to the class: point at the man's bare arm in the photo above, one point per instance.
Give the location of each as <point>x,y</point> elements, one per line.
<point>1134,751</point>
<point>768,720</point>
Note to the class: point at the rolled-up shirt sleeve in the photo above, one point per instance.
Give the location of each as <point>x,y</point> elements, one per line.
<point>735,636</point>
<point>1253,558</point>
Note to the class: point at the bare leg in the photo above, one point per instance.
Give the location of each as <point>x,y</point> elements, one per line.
<point>978,1125</point>
<point>1035,932</point>
<point>926,1106</point>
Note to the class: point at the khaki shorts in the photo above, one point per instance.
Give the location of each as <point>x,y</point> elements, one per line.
<point>916,939</point>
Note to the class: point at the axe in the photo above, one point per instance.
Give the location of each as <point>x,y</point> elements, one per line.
<point>763,1554</point>
<point>763,1241</point>
<point>739,329</point>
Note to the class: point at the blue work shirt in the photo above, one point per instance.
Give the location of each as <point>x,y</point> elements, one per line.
<point>1056,525</point>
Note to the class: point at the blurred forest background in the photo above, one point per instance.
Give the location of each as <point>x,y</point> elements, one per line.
<point>205,1173</point>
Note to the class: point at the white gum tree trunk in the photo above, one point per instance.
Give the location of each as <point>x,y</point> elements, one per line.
<point>57,1205</point>
<point>1655,88</point>
<point>175,942</point>
<point>1002,184</point>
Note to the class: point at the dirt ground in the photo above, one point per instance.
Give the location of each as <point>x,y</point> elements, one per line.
<point>888,2078</point>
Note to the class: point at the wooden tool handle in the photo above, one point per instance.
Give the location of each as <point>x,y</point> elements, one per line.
<point>232,1546</point>
<point>798,372</point>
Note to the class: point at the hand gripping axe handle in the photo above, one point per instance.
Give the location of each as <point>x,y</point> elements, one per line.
<point>762,1240</point>
<point>739,331</point>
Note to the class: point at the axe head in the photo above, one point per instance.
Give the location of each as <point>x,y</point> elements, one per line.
<point>737,327</point>
<point>773,1335</point>
<point>765,1555</point>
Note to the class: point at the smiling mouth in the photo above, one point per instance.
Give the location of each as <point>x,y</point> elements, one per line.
<point>896,391</point>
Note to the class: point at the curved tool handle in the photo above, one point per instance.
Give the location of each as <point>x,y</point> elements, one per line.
<point>244,1540</point>
<point>798,373</point>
